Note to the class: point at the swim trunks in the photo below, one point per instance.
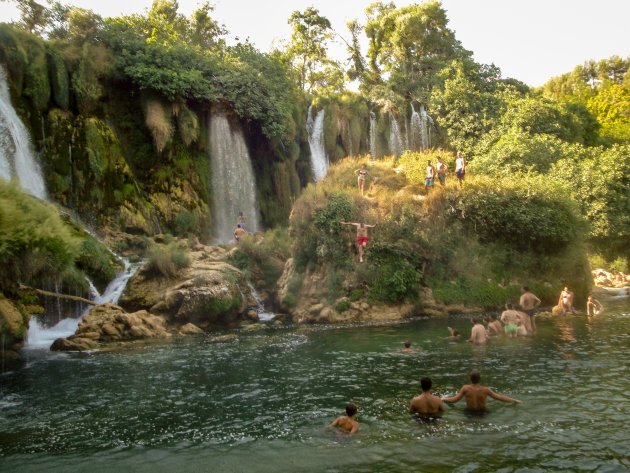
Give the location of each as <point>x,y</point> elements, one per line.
<point>362,240</point>
<point>460,173</point>
<point>511,328</point>
<point>530,312</point>
<point>441,177</point>
<point>429,181</point>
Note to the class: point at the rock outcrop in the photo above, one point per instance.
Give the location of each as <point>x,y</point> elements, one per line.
<point>13,326</point>
<point>108,323</point>
<point>208,293</point>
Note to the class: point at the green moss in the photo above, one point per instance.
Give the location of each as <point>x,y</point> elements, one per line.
<point>188,126</point>
<point>59,79</point>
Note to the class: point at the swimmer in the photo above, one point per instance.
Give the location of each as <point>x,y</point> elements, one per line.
<point>426,403</point>
<point>478,334</point>
<point>494,326</point>
<point>476,394</point>
<point>593,307</point>
<point>347,423</point>
<point>454,333</point>
<point>407,349</point>
<point>510,319</point>
<point>529,302</point>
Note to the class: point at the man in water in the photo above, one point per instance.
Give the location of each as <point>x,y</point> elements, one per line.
<point>347,423</point>
<point>565,303</point>
<point>441,171</point>
<point>362,238</point>
<point>476,394</point>
<point>407,345</point>
<point>593,307</point>
<point>429,180</point>
<point>494,326</point>
<point>478,334</point>
<point>426,403</point>
<point>529,302</point>
<point>460,168</point>
<point>510,319</point>
<point>454,333</point>
<point>239,231</point>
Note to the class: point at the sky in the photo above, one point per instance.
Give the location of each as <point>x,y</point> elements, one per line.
<point>531,40</point>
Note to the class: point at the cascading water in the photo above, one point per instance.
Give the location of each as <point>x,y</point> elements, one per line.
<point>17,159</point>
<point>350,147</point>
<point>315,130</point>
<point>263,315</point>
<point>373,134</point>
<point>395,139</point>
<point>424,129</point>
<point>40,336</point>
<point>233,183</point>
<point>420,128</point>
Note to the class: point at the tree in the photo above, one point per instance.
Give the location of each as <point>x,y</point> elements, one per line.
<point>307,49</point>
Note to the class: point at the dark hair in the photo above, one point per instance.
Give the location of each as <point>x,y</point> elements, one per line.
<point>509,305</point>
<point>474,320</point>
<point>426,383</point>
<point>407,343</point>
<point>351,409</point>
<point>475,376</point>
<point>455,332</point>
<point>492,317</point>
<point>525,288</point>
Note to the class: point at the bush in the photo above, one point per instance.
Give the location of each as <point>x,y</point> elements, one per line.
<point>342,306</point>
<point>166,261</point>
<point>289,300</point>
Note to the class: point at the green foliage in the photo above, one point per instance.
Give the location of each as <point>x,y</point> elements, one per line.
<point>342,306</point>
<point>167,260</point>
<point>476,291</point>
<point>356,294</point>
<point>398,273</point>
<point>295,284</point>
<point>98,262</point>
<point>185,222</point>
<point>188,126</point>
<point>216,308</point>
<point>34,243</point>
<point>59,79</point>
<point>289,300</point>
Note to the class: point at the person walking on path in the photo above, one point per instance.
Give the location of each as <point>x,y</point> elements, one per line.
<point>441,171</point>
<point>361,178</point>
<point>429,180</point>
<point>460,168</point>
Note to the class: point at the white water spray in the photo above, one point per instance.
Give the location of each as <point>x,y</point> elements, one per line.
<point>17,158</point>
<point>395,138</point>
<point>233,183</point>
<point>315,130</point>
<point>373,134</point>
<point>263,315</point>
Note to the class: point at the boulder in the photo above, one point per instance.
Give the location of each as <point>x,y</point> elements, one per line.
<point>190,329</point>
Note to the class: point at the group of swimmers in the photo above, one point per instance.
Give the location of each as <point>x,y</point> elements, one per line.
<point>427,404</point>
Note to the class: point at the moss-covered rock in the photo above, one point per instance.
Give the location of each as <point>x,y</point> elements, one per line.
<point>13,328</point>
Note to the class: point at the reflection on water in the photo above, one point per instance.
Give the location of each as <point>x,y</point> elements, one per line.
<point>259,402</point>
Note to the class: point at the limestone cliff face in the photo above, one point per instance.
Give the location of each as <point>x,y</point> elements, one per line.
<point>13,326</point>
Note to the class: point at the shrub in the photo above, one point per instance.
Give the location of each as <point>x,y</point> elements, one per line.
<point>342,306</point>
<point>166,261</point>
<point>290,300</point>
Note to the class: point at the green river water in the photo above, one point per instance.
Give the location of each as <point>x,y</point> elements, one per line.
<point>258,403</point>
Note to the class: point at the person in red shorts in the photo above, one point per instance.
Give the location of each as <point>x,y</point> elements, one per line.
<point>362,238</point>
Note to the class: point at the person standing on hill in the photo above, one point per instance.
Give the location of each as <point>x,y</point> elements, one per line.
<point>529,302</point>
<point>362,236</point>
<point>441,171</point>
<point>460,168</point>
<point>429,180</point>
<point>361,179</point>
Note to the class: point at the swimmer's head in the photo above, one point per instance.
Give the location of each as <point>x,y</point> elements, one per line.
<point>492,317</point>
<point>407,343</point>
<point>425,383</point>
<point>455,332</point>
<point>509,306</point>
<point>525,289</point>
<point>351,409</point>
<point>475,376</point>
<point>474,320</point>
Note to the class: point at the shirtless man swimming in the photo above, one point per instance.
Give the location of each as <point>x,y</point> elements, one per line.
<point>347,422</point>
<point>426,403</point>
<point>362,238</point>
<point>494,326</point>
<point>478,334</point>
<point>476,394</point>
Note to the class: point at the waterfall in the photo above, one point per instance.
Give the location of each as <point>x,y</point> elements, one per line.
<point>420,128</point>
<point>40,336</point>
<point>351,150</point>
<point>263,315</point>
<point>373,134</point>
<point>315,129</point>
<point>395,139</point>
<point>17,159</point>
<point>233,183</point>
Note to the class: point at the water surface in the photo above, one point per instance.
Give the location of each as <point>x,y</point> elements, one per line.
<point>258,402</point>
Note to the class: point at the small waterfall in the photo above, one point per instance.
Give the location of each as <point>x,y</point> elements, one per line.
<point>351,150</point>
<point>424,135</point>
<point>395,138</point>
<point>40,336</point>
<point>233,183</point>
<point>315,130</point>
<point>263,315</point>
<point>421,131</point>
<point>373,134</point>
<point>17,158</point>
